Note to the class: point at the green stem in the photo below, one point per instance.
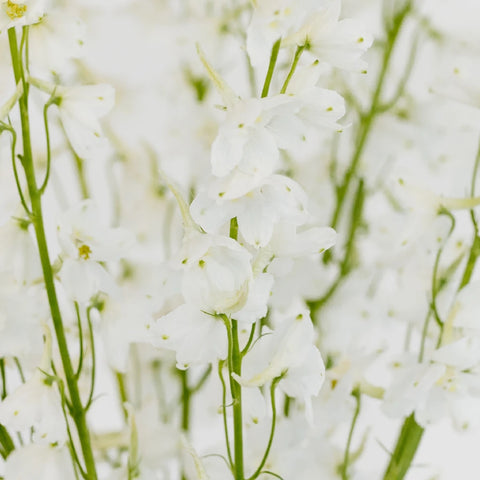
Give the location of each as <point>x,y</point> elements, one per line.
<point>6,442</point>
<point>237,403</point>
<point>49,151</point>
<point>407,444</point>
<point>224,412</point>
<point>81,175</point>
<point>345,266</point>
<point>475,248</point>
<point>4,378</point>
<point>271,67</point>
<point>122,391</point>
<point>296,58</point>
<point>366,122</point>
<point>344,471</point>
<point>235,366</point>
<point>272,429</point>
<point>185,401</point>
<point>78,413</point>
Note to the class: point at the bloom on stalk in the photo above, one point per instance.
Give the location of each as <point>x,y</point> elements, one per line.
<point>340,43</point>
<point>80,108</point>
<point>85,242</point>
<point>290,354</point>
<point>14,13</point>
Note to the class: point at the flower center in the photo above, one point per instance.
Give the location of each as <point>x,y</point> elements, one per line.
<point>15,10</point>
<point>84,251</point>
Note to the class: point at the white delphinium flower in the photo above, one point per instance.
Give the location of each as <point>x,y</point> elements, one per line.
<point>85,242</point>
<point>287,352</point>
<point>80,108</point>
<point>196,337</point>
<point>56,38</point>
<point>36,403</point>
<point>217,272</point>
<point>271,20</point>
<point>340,43</point>
<point>216,280</point>
<point>246,151</point>
<point>434,390</point>
<point>318,108</point>
<point>125,320</point>
<point>14,13</point>
<point>42,462</point>
<point>257,212</point>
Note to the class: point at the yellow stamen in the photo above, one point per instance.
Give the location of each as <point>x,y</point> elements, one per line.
<point>84,251</point>
<point>15,10</point>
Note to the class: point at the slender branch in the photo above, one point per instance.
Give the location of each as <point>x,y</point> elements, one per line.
<point>80,334</point>
<point>92,348</point>
<point>344,469</point>
<point>249,341</point>
<point>272,429</point>
<point>224,411</point>
<point>47,137</point>
<point>296,58</point>
<point>271,67</point>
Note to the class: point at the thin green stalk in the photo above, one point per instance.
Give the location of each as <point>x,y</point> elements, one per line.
<point>406,447</point>
<point>78,413</point>
<point>247,346</point>
<point>271,67</point>
<point>185,401</point>
<point>272,429</point>
<point>4,378</point>
<point>15,172</point>
<point>366,122</point>
<point>224,411</point>
<point>346,459</point>
<point>237,403</point>
<point>47,138</point>
<point>92,348</point>
<point>80,336</point>
<point>286,405</point>
<point>346,264</point>
<point>235,366</point>
<point>268,472</point>
<point>201,380</point>
<point>6,442</point>
<point>122,391</point>
<point>475,248</point>
<point>296,58</point>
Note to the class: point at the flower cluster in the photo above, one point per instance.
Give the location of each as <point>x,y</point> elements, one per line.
<point>239,239</point>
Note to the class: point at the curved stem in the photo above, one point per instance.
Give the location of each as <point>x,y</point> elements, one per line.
<point>272,429</point>
<point>15,172</point>
<point>296,58</point>
<point>224,411</point>
<point>92,348</point>
<point>249,341</point>
<point>47,138</point>
<point>356,393</point>
<point>80,335</point>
